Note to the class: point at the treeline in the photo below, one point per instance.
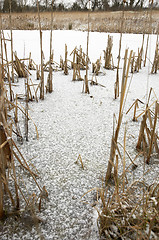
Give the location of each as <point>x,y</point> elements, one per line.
<point>78,5</point>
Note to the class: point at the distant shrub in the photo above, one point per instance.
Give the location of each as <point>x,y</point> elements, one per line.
<point>30,26</point>
<point>70,26</point>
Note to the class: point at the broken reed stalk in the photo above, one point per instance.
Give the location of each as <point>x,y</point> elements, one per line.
<point>146,50</point>
<point>20,67</point>
<point>26,108</point>
<point>65,62</point>
<point>16,110</point>
<point>141,51</point>
<point>80,159</point>
<point>14,172</point>
<point>147,140</point>
<point>2,63</point>
<point>50,67</point>
<point>87,58</point>
<point>8,74</point>
<point>137,66</point>
<point>152,134</point>
<point>122,97</point>
<point>1,150</point>
<point>155,65</point>
<point>124,175</point>
<point>42,72</point>
<point>108,53</point>
<point>10,20</point>
<point>117,74</point>
<point>1,44</point>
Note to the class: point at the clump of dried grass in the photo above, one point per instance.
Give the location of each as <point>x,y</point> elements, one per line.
<point>130,214</point>
<point>128,210</point>
<point>14,199</point>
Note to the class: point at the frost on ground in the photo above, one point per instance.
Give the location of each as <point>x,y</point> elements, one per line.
<point>71,123</point>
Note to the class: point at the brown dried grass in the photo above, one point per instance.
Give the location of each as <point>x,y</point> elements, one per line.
<point>99,21</point>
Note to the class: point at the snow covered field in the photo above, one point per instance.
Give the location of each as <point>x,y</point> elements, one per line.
<point>72,123</point>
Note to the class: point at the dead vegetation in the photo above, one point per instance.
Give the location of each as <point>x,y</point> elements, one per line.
<point>120,214</point>
<point>124,216</point>
<point>130,209</point>
<point>13,197</point>
<point>99,21</point>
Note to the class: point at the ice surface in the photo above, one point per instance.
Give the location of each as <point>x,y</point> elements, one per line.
<point>72,123</point>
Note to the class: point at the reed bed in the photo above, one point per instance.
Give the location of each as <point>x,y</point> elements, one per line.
<point>10,157</point>
<point>127,210</point>
<point>14,199</point>
<point>135,22</point>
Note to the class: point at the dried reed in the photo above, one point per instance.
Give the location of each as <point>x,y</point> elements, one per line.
<point>123,91</point>
<point>108,54</point>
<point>50,85</point>
<point>42,72</point>
<point>10,20</point>
<point>116,88</point>
<point>85,86</point>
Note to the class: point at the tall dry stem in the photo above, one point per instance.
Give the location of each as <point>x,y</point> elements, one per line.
<point>10,20</point>
<point>1,151</point>
<point>50,67</point>
<point>117,74</point>
<point>8,73</point>
<point>152,133</point>
<point>146,50</point>
<point>42,71</point>
<point>122,97</point>
<point>87,58</point>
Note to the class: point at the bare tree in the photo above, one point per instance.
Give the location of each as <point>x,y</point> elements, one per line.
<point>83,3</point>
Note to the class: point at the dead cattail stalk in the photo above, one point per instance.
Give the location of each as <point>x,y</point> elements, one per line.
<point>31,65</point>
<point>115,137</point>
<point>96,66</point>
<point>146,50</point>
<point>132,63</point>
<point>87,59</point>
<point>26,108</point>
<point>42,72</point>
<point>65,62</point>
<point>141,133</point>
<point>14,173</point>
<point>50,87</point>
<point>152,134</point>
<point>37,72</point>
<point>155,65</point>
<point>16,110</point>
<point>1,150</point>
<point>141,51</point>
<point>10,20</point>
<point>20,67</point>
<point>120,41</point>
<point>80,159</point>
<point>108,53</point>
<point>135,108</point>
<point>8,74</point>
<point>116,179</point>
